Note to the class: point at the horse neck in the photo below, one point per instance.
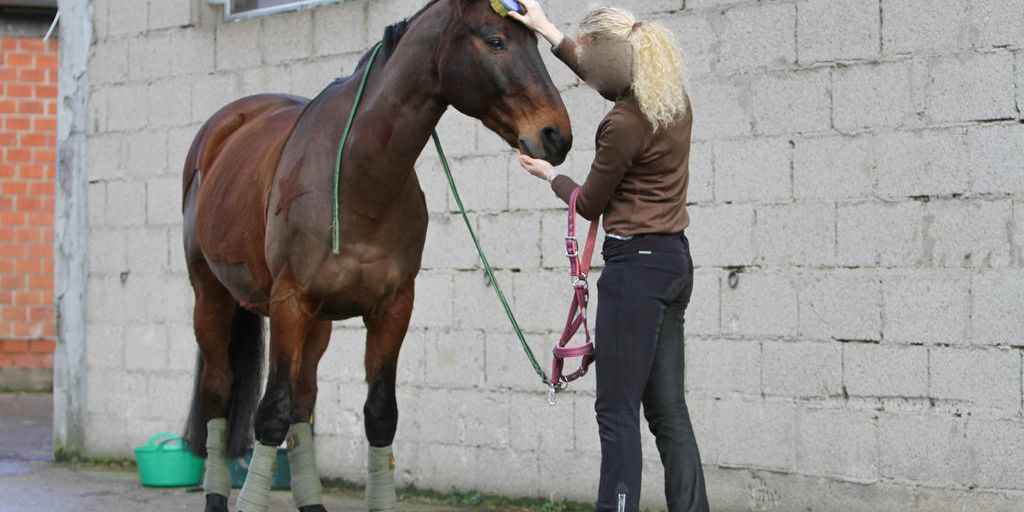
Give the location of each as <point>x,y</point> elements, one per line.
<point>403,99</point>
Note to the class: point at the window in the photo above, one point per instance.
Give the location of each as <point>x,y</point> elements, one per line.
<point>247,8</point>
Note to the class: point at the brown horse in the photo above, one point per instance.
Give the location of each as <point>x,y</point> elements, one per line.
<point>258,216</point>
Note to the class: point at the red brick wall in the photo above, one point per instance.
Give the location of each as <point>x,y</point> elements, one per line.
<point>28,132</point>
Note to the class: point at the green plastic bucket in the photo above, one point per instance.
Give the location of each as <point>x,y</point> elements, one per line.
<point>282,480</point>
<point>166,462</point>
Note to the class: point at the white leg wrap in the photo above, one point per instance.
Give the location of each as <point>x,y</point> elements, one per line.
<point>380,486</point>
<point>255,495</point>
<point>302,459</point>
<point>217,479</point>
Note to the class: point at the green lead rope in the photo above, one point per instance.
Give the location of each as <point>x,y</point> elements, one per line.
<point>487,265</point>
<point>335,223</point>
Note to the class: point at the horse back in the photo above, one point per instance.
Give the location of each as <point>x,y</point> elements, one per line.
<point>226,185</point>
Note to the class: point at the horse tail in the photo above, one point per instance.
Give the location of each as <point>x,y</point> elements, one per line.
<point>246,354</point>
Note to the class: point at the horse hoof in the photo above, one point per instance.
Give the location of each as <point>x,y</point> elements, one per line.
<point>216,503</point>
<point>313,508</point>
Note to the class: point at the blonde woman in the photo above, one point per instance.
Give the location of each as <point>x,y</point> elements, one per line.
<point>638,182</point>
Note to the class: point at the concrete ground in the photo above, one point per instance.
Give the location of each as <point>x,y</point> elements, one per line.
<point>31,481</point>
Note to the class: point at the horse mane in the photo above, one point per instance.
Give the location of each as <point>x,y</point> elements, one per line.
<point>392,35</point>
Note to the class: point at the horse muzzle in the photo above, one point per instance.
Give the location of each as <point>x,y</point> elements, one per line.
<point>551,144</point>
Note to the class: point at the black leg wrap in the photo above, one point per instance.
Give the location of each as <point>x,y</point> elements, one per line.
<point>313,508</point>
<point>216,503</point>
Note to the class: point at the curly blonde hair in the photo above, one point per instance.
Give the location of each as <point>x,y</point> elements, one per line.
<point>659,75</point>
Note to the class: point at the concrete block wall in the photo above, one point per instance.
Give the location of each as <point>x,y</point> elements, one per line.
<point>854,339</point>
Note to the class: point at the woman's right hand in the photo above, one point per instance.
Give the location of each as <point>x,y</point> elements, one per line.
<point>536,20</point>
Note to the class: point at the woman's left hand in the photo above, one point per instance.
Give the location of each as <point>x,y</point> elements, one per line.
<point>537,167</point>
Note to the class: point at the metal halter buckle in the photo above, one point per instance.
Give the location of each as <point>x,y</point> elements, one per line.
<point>572,247</point>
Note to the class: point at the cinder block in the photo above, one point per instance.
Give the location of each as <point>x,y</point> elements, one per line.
<point>921,163</point>
<point>998,299</point>
<point>105,347</point>
<point>796,234</point>
<point>885,370</point>
<point>586,109</point>
<point>802,369</point>
<point>181,348</point>
<point>702,174</point>
<point>721,107</point>
<point>923,26</point>
<point>105,156</point>
<point>923,307</point>
<point>841,305</point>
<point>793,102</point>
<point>127,113</point>
<point>381,13</point>
<point>194,51</point>
<point>527,192</point>
<point>125,17</point>
<point>757,434</point>
<point>433,183</point>
<point>476,305</point>
<point>163,14</point>
<point>973,88</point>
<point>536,427</point>
<point>239,43</point>
<point>434,304</point>
<point>179,140</point>
<point>126,203</point>
<point>146,155</point>
<point>106,250</point>
<point>871,95</point>
<point>458,133</point>
<point>993,162</point>
<point>553,231</point>
<point>703,312</point>
<point>719,368</point>
<point>339,28</point>
<point>1020,78</point>
<point>109,62</point>
<point>511,239</point>
<point>757,36</point>
<point>449,245</point>
<point>574,12</point>
<point>880,233</point>
<point>288,36</point>
<point>493,467</point>
<point>455,359</point>
<point>210,93</point>
<point>996,22</point>
<point>310,76</point>
<point>163,201</point>
<point>97,203</point>
<point>838,443</point>
<point>482,182</point>
<point>994,376</point>
<point>145,348</point>
<point>563,77</point>
<point>168,103</point>
<point>968,233</point>
<point>721,236</point>
<point>831,31</point>
<point>542,299</point>
<point>147,56</point>
<point>175,303</point>
<point>507,364</point>
<point>753,169</point>
<point>998,445</point>
<point>926,448</point>
<point>833,167</point>
<point>697,41</point>
<point>146,251</point>
<point>762,304</point>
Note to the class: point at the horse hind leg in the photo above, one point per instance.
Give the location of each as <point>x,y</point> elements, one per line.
<point>385,333</point>
<point>306,488</point>
<point>227,379</point>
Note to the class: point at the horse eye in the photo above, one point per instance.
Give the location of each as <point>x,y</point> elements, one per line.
<point>496,43</point>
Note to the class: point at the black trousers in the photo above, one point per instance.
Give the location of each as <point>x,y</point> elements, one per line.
<point>643,293</point>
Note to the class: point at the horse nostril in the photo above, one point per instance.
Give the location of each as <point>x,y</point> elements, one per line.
<point>555,144</point>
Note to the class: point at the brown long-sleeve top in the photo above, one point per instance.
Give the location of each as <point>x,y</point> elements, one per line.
<point>640,176</point>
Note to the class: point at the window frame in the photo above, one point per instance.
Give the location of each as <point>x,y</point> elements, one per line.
<point>293,5</point>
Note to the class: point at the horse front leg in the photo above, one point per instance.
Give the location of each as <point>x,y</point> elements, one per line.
<point>306,488</point>
<point>291,319</point>
<point>385,332</point>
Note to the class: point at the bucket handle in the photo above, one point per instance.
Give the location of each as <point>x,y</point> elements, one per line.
<point>168,438</point>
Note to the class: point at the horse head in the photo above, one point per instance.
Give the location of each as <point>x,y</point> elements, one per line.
<point>490,69</point>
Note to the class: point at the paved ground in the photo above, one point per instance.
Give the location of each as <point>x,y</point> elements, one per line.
<point>30,481</point>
